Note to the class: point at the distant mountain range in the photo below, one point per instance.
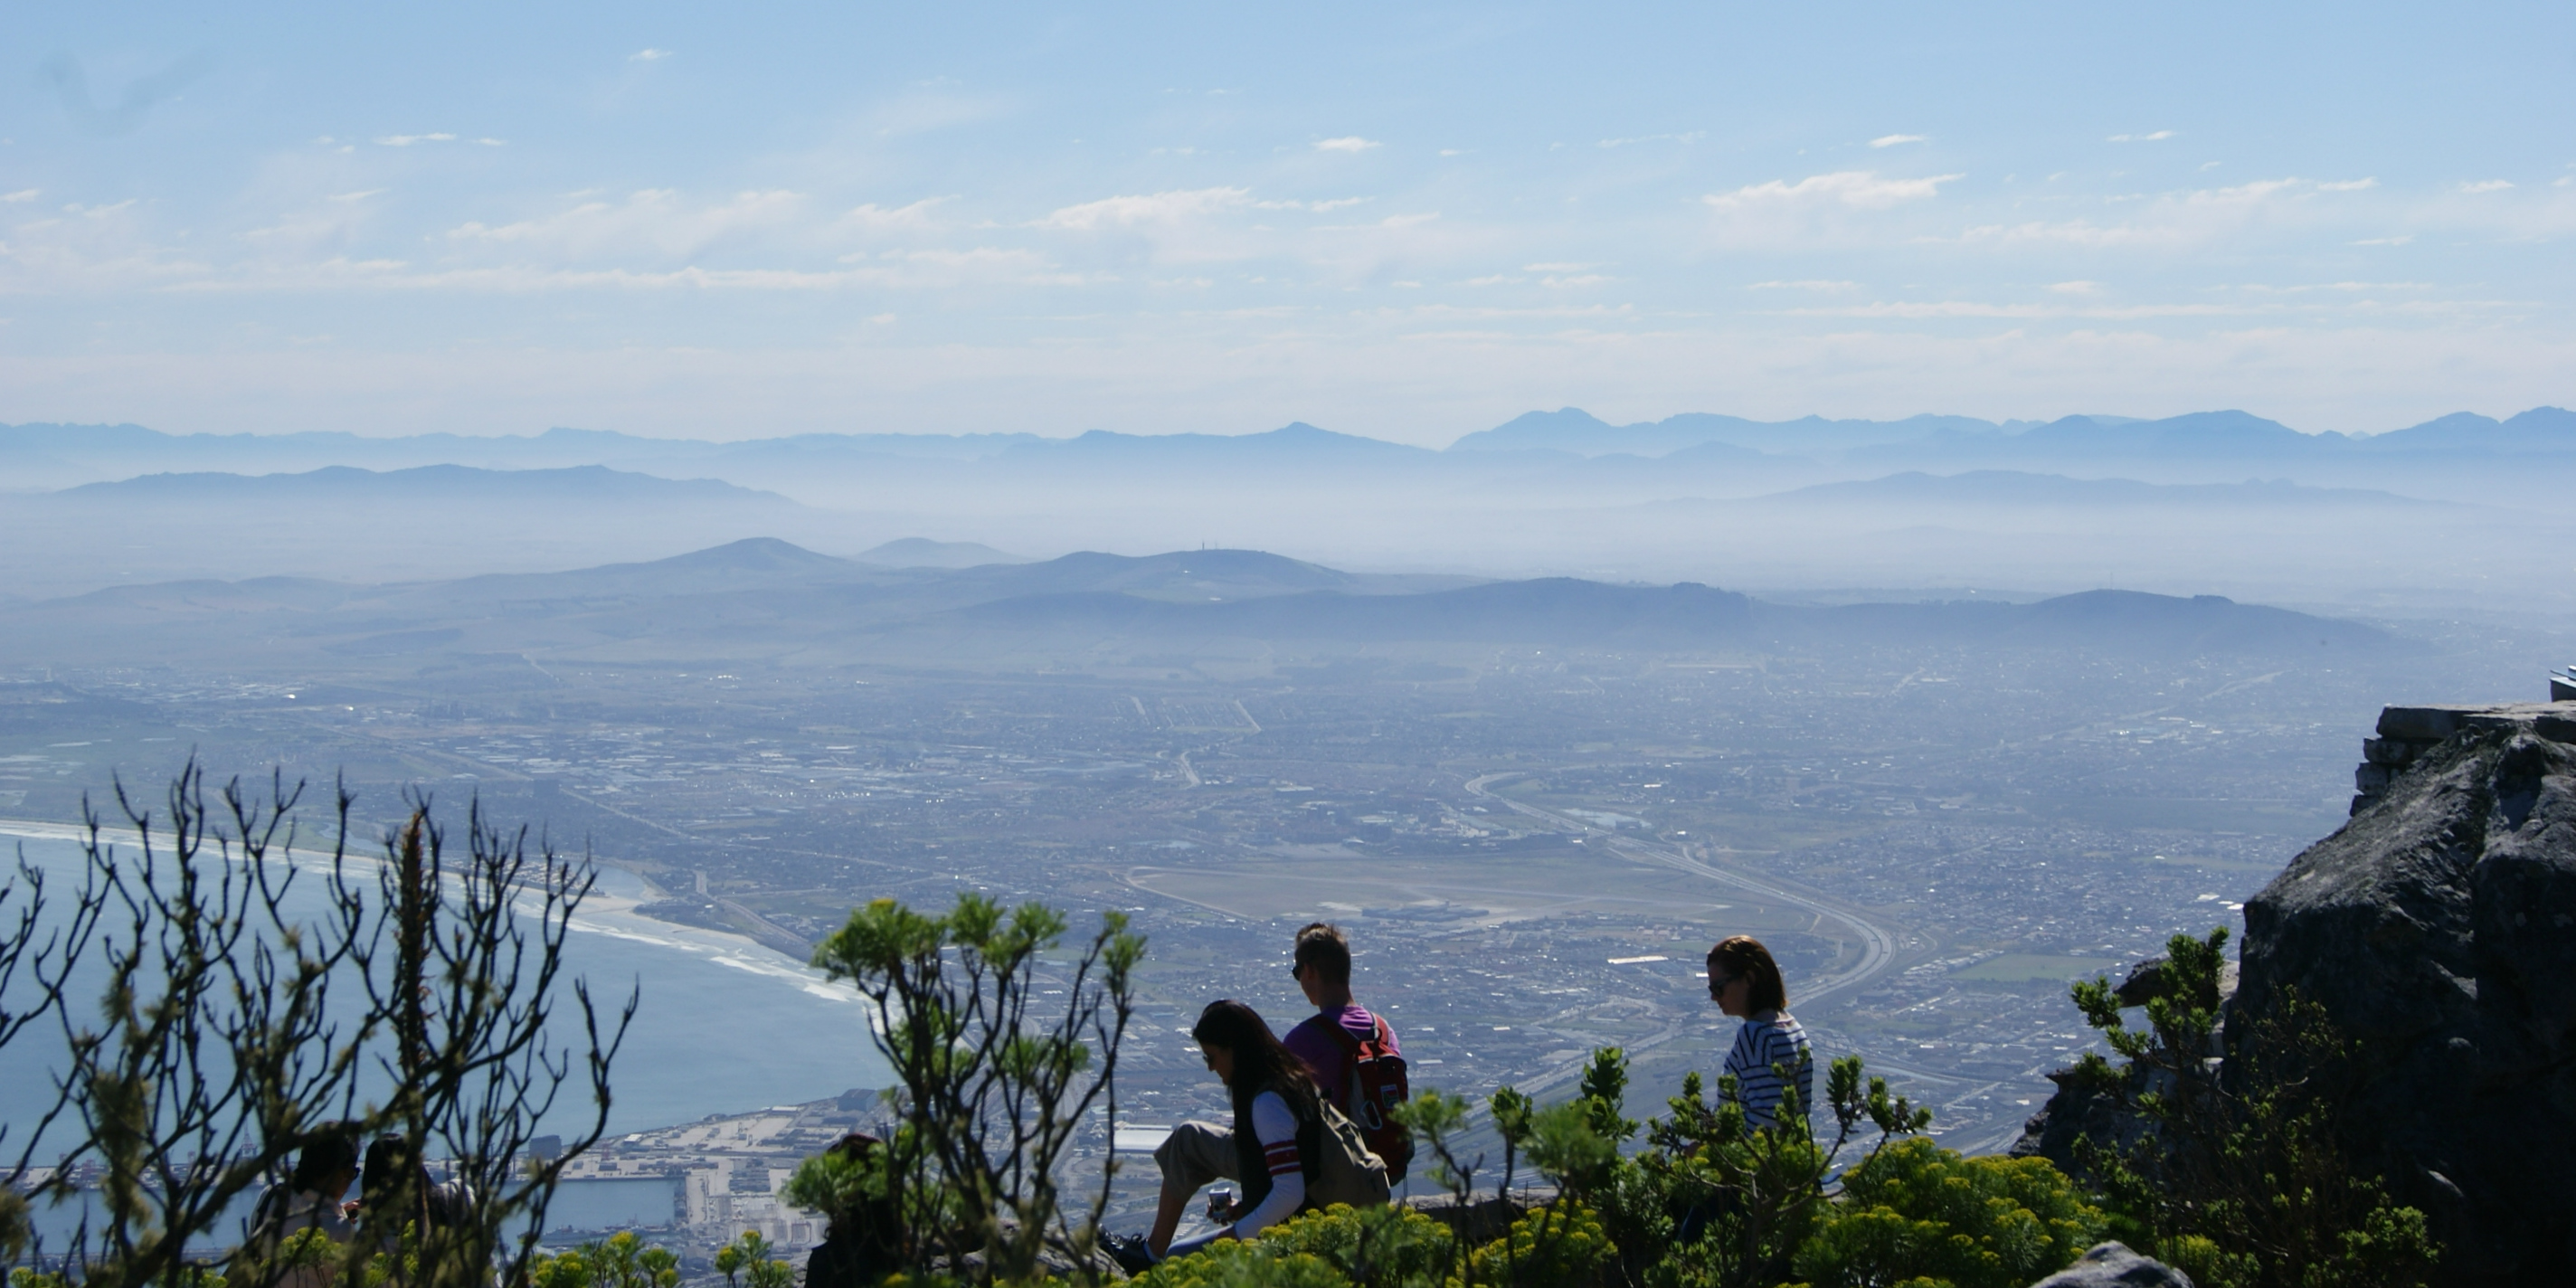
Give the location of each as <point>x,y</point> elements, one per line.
<point>2459,508</point>
<point>430,485</point>
<point>2018,490</point>
<point>61,455</point>
<point>2541,430</point>
<point>769,598</point>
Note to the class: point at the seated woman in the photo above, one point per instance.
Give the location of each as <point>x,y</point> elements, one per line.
<point>863,1241</point>
<point>1745,983</point>
<point>395,1191</point>
<point>1270,1149</point>
<point>311,1199</point>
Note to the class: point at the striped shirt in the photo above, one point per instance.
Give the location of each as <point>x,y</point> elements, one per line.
<point>1772,1037</point>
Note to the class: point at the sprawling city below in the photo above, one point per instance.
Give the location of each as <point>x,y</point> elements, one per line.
<point>1532,847</point>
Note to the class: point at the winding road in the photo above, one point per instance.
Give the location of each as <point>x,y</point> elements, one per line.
<point>1877,941</point>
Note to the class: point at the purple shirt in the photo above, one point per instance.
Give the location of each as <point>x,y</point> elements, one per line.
<point>1324,1054</point>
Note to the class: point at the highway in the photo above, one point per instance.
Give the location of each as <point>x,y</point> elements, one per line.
<point>1877,942</point>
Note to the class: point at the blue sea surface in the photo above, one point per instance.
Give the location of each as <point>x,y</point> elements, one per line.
<point>723,1025</point>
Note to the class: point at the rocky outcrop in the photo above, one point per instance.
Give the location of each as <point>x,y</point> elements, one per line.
<point>2408,733</point>
<point>2438,929</point>
<point>2112,1265</point>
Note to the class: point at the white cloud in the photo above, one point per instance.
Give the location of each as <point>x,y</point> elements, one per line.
<point>1336,203</point>
<point>2076,288</point>
<point>2487,185</point>
<point>1861,189</point>
<point>654,220</point>
<point>493,143</point>
<point>876,218</point>
<point>2257,288</point>
<point>1692,137</point>
<point>648,55</point>
<point>1809,284</point>
<point>2185,218</point>
<point>2140,138</point>
<point>406,140</point>
<point>2399,240</point>
<point>1979,309</point>
<point>977,257</point>
<point>1557,268</point>
<point>1408,221</point>
<point>358,196</point>
<point>22,195</point>
<point>1891,140</point>
<point>2348,185</point>
<point>1156,208</point>
<point>1347,143</point>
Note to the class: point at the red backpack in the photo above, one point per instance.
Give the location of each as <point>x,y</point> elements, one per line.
<point>1377,1084</point>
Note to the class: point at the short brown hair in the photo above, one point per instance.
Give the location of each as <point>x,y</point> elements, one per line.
<point>1322,946</point>
<point>1744,957</point>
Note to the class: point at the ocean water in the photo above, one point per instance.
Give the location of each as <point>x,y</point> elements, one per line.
<point>723,1025</point>
<point>579,1209</point>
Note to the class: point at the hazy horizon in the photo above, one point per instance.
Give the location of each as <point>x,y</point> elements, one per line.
<point>1405,225</point>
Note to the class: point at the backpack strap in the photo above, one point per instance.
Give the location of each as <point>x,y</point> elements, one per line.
<point>1351,1052</point>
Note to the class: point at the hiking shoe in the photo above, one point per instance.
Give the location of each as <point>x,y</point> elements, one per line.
<point>1130,1252</point>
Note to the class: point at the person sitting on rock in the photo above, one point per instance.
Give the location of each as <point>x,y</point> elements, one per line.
<point>863,1242</point>
<point>309,1199</point>
<point>395,1191</point>
<point>1271,1148</point>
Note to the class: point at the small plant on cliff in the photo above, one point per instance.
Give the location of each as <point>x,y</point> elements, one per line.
<point>1752,1196</point>
<point>746,1263</point>
<point>619,1261</point>
<point>1918,1211</point>
<point>2244,1180</point>
<point>996,1080</point>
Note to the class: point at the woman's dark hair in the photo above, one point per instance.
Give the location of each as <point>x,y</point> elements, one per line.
<point>392,1177</point>
<point>1261,1061</point>
<point>1743,957</point>
<point>329,1153</point>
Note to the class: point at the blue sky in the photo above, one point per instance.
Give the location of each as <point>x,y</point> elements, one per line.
<point>1403,221</point>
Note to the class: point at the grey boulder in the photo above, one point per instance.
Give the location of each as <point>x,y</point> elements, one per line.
<point>2112,1265</point>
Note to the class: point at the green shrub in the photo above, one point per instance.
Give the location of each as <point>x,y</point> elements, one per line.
<point>1917,1210</point>
<point>747,1257</point>
<point>1375,1247</point>
<point>1559,1245</point>
<point>1250,1263</point>
<point>2245,1173</point>
<point>997,1082</point>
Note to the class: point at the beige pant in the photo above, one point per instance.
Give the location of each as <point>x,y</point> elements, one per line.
<point>1195,1154</point>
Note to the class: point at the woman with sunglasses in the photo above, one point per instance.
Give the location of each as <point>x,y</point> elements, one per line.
<point>1271,1149</point>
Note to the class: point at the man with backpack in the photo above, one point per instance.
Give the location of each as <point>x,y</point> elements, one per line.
<point>1353,1054</point>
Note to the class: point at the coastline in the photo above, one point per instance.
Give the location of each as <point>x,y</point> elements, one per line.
<point>603,912</point>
